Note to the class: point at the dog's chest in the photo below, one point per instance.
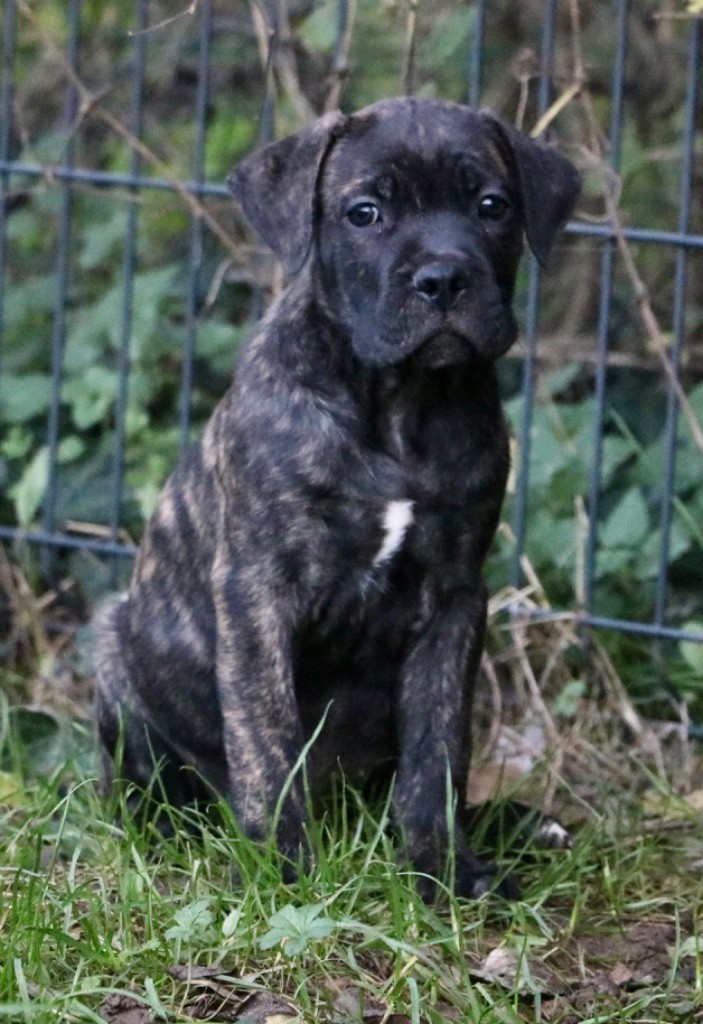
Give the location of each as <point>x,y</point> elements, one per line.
<point>384,556</point>
<point>412,543</point>
<point>381,583</point>
<point>388,497</point>
<point>450,454</point>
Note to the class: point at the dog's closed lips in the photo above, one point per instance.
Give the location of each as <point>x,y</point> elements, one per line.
<point>317,557</point>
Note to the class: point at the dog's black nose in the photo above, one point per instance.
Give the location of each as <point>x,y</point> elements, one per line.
<point>441,283</point>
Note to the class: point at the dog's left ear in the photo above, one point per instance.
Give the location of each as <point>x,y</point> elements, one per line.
<point>276,188</point>
<point>549,185</point>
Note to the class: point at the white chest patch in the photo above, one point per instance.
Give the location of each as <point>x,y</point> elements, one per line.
<point>397,518</point>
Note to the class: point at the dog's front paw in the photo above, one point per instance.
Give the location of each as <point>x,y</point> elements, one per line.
<point>294,850</point>
<point>292,861</point>
<point>471,879</point>
<point>295,861</point>
<point>477,878</point>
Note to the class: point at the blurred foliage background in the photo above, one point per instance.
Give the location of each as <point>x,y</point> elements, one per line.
<point>193,283</point>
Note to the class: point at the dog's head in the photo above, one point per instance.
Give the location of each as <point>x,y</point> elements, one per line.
<point>413,212</point>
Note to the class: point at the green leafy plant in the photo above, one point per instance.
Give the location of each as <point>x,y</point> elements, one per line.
<point>294,928</point>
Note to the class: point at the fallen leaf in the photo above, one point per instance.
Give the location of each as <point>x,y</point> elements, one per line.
<point>119,1008</point>
<point>189,972</point>
<point>670,807</point>
<point>352,1004</point>
<point>694,800</point>
<point>504,967</point>
<point>491,781</point>
<point>214,1005</point>
<point>266,1008</point>
<point>513,756</point>
<point>621,975</point>
<point>11,790</point>
<point>501,961</point>
<point>551,1007</point>
<point>692,946</point>
<point>511,969</point>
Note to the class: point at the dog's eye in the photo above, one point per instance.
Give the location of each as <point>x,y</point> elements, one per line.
<point>363,214</point>
<point>492,207</point>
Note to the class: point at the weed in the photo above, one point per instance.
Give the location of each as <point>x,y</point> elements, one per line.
<point>98,919</point>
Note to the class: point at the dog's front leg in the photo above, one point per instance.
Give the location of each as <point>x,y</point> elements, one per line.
<point>262,734</point>
<point>435,743</point>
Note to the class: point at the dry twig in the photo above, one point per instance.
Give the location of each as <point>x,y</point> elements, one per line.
<point>190,11</point>
<point>339,71</point>
<point>275,42</point>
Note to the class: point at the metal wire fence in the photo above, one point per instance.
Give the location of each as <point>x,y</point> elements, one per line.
<point>136,177</point>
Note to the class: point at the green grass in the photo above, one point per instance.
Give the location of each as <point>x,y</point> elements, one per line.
<point>90,909</point>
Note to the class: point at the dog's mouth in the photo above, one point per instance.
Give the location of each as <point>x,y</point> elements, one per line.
<point>455,341</point>
<point>448,347</point>
<point>444,348</point>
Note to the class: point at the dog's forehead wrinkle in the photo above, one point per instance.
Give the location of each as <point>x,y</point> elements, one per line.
<point>419,177</point>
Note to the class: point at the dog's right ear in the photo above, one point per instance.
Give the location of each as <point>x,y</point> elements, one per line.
<point>276,188</point>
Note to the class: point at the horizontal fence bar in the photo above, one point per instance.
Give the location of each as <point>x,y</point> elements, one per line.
<point>64,540</point>
<point>657,632</point>
<point>658,237</point>
<point>111,179</point>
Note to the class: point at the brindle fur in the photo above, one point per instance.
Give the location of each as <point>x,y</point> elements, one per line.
<point>259,599</point>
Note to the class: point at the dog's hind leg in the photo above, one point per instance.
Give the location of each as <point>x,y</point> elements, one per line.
<point>131,751</point>
<point>118,720</point>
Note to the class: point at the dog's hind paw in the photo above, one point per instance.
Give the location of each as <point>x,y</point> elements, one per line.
<point>511,825</point>
<point>549,834</point>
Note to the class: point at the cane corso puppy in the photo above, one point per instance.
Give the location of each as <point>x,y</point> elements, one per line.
<point>318,556</point>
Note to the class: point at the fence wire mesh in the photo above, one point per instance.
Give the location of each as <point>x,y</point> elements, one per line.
<point>126,278</point>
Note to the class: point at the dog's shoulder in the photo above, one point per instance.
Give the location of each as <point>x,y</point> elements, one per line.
<point>289,408</point>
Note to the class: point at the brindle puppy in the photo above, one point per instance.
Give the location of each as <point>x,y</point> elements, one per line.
<point>320,551</point>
